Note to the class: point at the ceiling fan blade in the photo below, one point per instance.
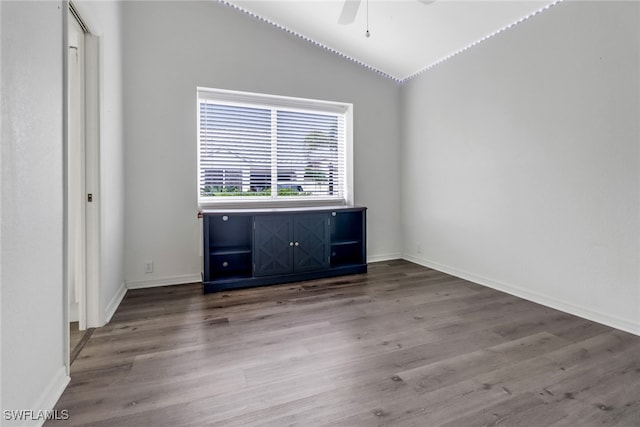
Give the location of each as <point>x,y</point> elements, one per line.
<point>349,12</point>
<point>425,2</point>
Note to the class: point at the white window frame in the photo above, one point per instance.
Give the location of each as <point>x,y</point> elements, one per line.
<point>264,100</point>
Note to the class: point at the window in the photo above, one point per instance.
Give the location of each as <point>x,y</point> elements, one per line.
<point>272,150</point>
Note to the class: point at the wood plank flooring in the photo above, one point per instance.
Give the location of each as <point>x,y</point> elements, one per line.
<point>77,339</point>
<point>401,346</point>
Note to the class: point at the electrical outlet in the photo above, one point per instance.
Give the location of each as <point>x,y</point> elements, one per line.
<point>148,267</point>
<point>419,248</point>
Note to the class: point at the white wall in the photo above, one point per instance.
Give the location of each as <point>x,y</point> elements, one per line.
<point>173,47</point>
<point>33,365</point>
<point>1,169</point>
<point>521,162</point>
<point>104,21</point>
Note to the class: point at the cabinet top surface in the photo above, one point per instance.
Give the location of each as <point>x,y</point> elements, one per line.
<point>282,210</point>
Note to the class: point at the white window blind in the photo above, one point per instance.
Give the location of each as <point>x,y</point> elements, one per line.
<point>259,148</point>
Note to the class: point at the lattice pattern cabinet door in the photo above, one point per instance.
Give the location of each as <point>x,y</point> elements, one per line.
<point>311,242</point>
<point>273,245</point>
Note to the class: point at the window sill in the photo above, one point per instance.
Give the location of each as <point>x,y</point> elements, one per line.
<point>270,204</point>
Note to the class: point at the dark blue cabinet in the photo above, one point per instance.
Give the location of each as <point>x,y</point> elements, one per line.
<point>262,247</point>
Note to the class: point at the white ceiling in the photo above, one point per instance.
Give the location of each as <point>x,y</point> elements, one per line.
<point>407,36</point>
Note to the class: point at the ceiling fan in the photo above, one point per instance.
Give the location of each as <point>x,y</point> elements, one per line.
<point>350,10</point>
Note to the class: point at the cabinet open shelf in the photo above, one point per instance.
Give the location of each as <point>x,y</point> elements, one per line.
<point>230,250</point>
<point>346,242</point>
<point>233,277</point>
<point>227,265</point>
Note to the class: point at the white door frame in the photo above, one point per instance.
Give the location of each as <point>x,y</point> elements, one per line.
<point>91,297</point>
<point>75,169</point>
<point>92,175</point>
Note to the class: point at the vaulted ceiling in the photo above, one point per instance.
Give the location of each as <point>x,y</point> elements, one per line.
<point>405,36</point>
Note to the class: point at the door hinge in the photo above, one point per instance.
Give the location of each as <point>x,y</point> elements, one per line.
<point>89,197</point>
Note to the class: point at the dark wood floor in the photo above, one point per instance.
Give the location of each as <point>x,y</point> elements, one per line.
<point>75,336</point>
<point>77,339</point>
<point>403,345</point>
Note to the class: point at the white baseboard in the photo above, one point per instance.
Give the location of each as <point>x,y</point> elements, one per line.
<point>384,257</point>
<point>603,318</point>
<point>164,281</point>
<point>49,397</point>
<point>113,305</point>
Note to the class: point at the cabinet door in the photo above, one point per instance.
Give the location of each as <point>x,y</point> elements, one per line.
<point>273,245</point>
<point>311,242</point>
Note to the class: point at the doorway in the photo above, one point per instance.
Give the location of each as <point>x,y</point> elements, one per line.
<point>80,234</point>
<point>76,174</point>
